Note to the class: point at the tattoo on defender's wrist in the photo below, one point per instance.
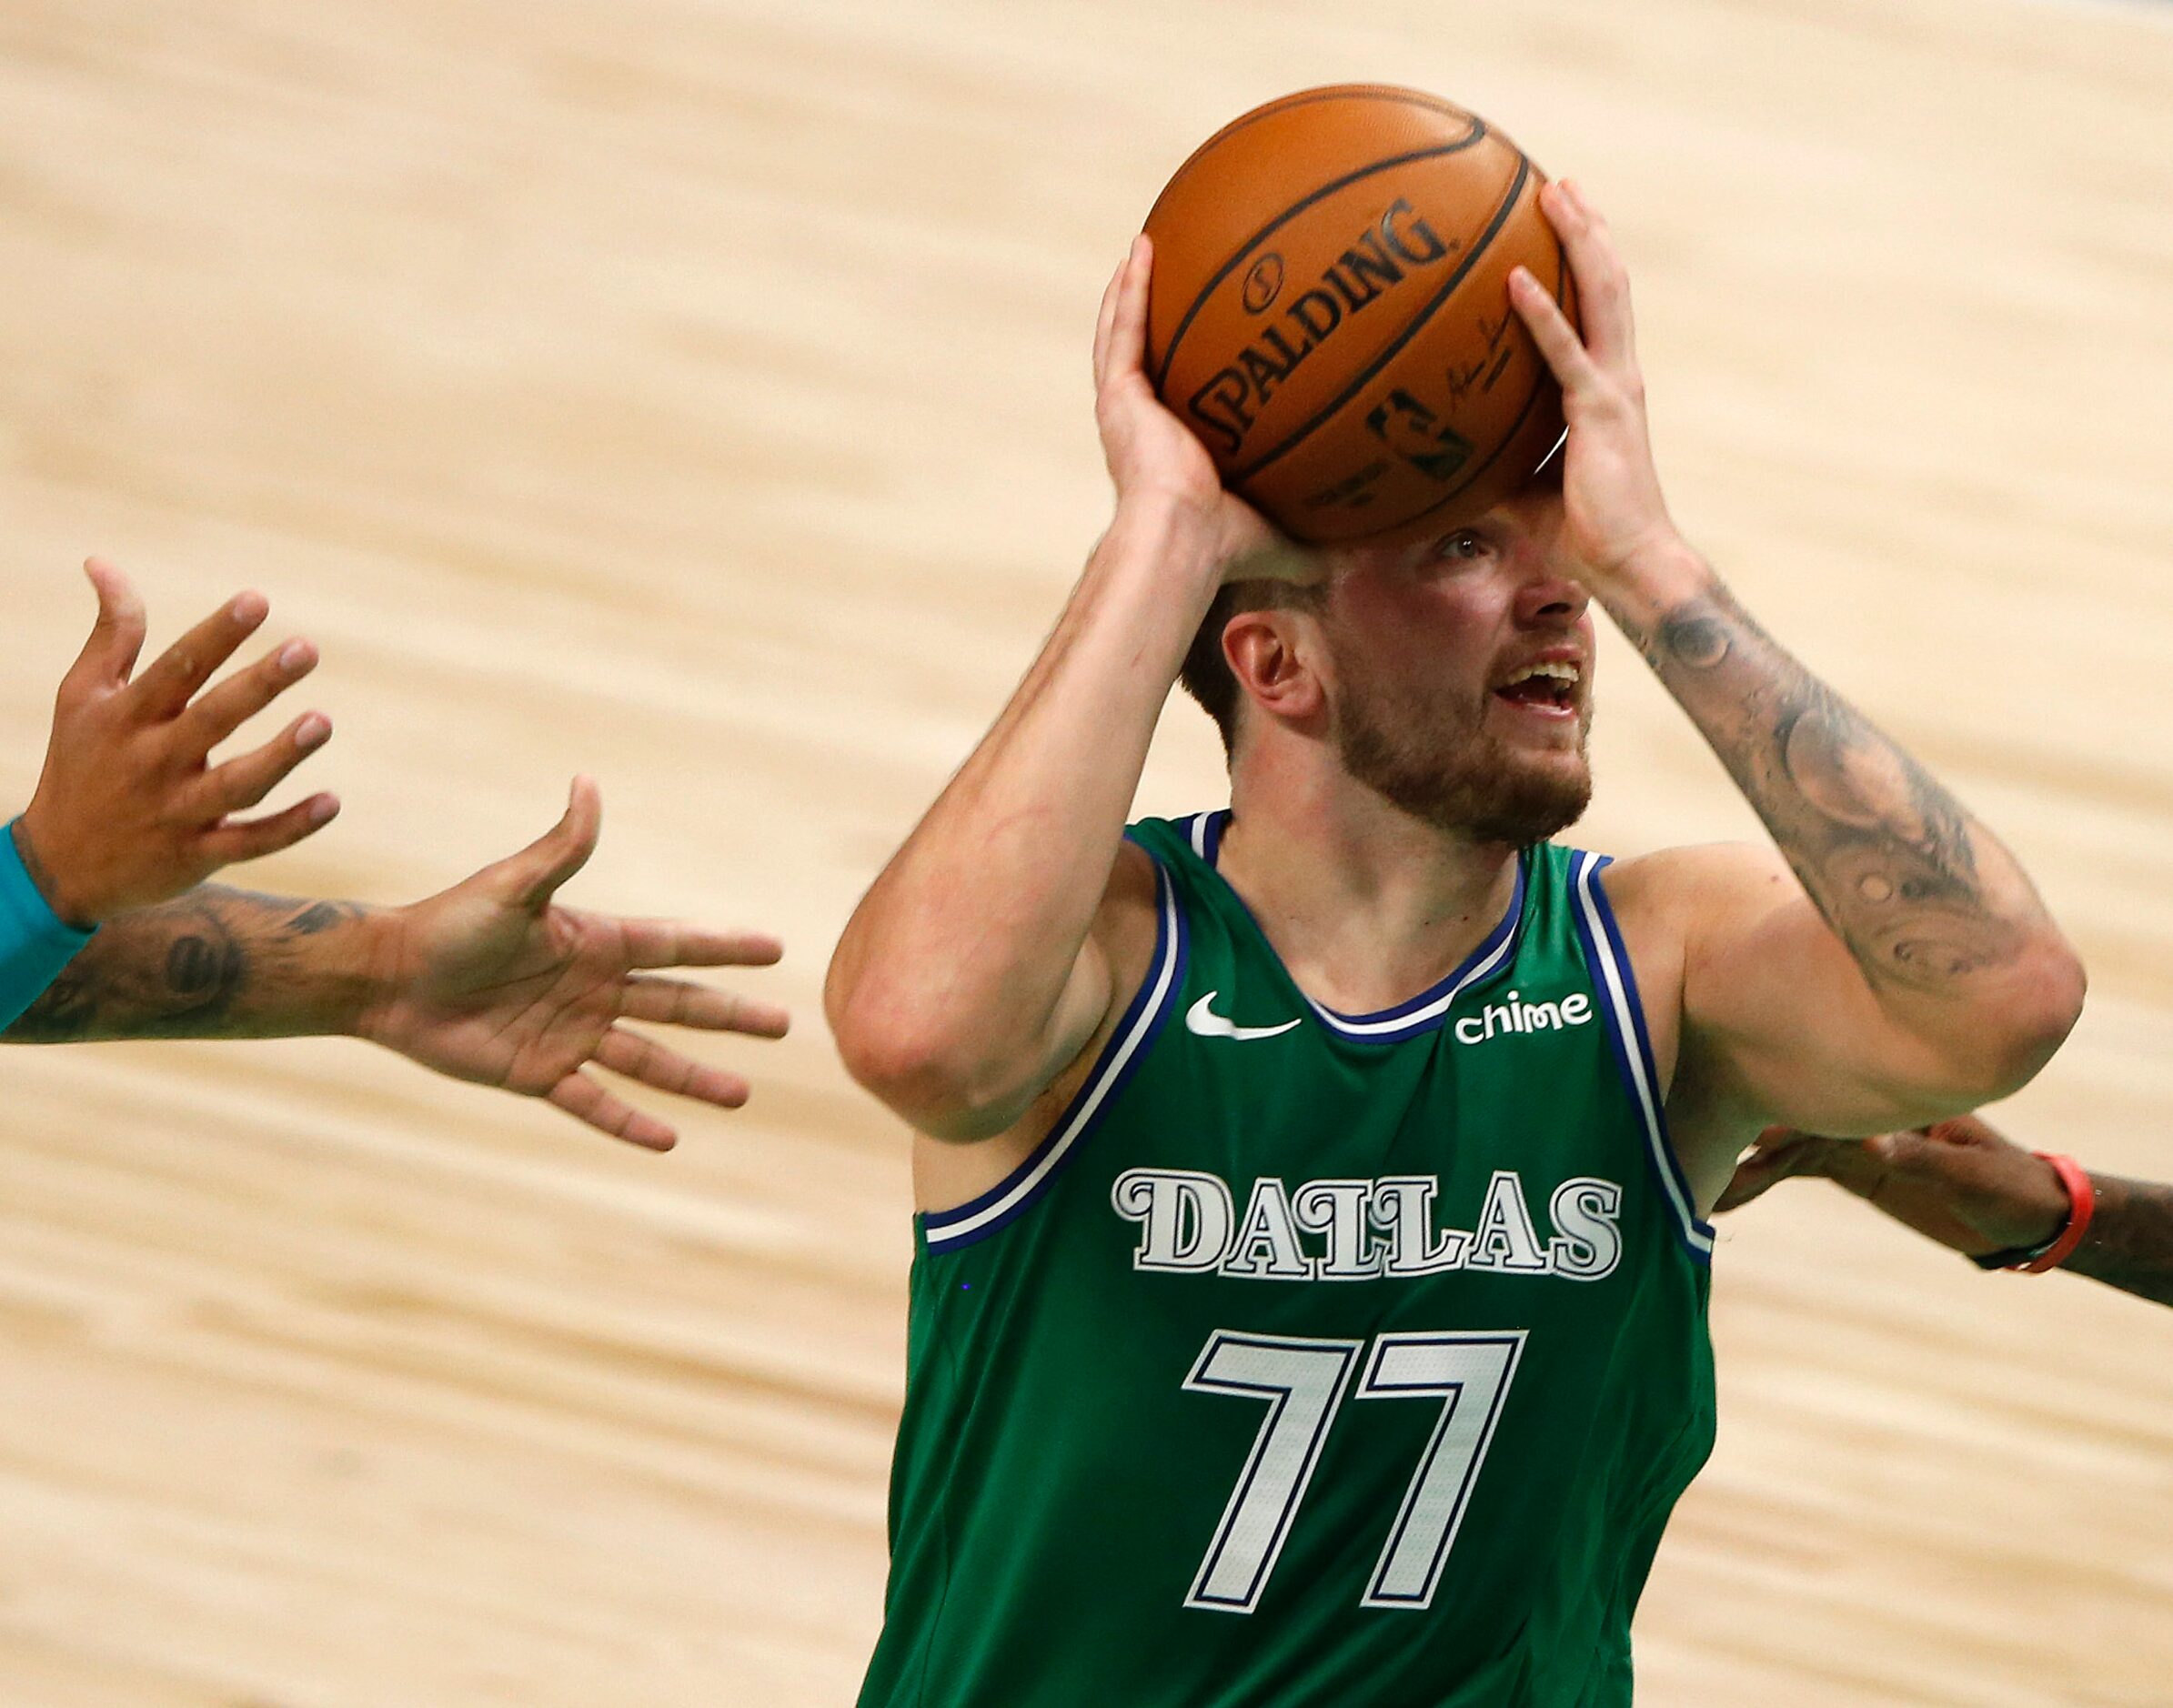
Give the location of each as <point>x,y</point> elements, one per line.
<point>215,963</point>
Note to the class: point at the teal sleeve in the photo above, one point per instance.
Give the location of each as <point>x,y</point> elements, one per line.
<point>34,943</point>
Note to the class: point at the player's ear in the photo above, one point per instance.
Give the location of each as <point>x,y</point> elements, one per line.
<point>1273,654</point>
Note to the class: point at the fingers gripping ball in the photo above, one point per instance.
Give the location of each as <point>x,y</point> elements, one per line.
<point>1330,311</point>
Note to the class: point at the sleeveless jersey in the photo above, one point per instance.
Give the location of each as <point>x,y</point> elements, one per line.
<point>1314,1360</point>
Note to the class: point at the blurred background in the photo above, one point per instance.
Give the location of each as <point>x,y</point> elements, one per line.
<point>695,392</point>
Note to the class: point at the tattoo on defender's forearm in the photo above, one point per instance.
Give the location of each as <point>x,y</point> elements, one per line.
<point>216,962</point>
<point>1888,856</point>
<point>2130,1244</point>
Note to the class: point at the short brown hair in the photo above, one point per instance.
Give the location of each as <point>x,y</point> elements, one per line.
<point>1206,673</point>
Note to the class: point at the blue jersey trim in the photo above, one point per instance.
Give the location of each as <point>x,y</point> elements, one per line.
<point>1616,985</point>
<point>1000,1205</point>
<point>36,945</point>
<point>1431,1007</point>
<point>1424,1012</point>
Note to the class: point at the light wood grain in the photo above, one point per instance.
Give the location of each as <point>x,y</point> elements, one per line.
<point>694,391</point>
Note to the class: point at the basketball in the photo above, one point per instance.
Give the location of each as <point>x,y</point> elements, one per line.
<point>1330,312</point>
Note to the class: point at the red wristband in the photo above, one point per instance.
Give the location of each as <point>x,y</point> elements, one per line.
<point>2082,1203</point>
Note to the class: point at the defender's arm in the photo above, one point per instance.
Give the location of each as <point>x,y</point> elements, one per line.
<point>490,981</point>
<point>214,963</point>
<point>1966,1186</point>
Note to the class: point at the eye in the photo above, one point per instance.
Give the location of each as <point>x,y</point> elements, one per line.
<point>1465,545</point>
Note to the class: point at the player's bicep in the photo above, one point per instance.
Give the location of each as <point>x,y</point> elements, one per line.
<point>1778,1022</point>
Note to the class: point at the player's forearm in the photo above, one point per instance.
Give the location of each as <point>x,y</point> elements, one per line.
<point>1947,931</point>
<point>968,938</point>
<point>212,963</point>
<point>2130,1244</point>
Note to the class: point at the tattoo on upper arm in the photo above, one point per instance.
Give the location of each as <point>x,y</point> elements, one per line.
<point>2130,1241</point>
<point>1886,853</point>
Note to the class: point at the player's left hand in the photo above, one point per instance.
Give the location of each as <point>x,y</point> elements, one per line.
<point>491,981</point>
<point>1613,514</point>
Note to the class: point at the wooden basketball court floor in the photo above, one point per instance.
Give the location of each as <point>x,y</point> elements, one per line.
<point>694,391</point>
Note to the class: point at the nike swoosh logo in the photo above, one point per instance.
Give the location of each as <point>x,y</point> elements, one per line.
<point>1204,1020</point>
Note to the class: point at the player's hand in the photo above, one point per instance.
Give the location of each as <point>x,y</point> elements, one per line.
<point>1152,455</point>
<point>1957,1181</point>
<point>1613,513</point>
<point>129,810</point>
<point>492,982</point>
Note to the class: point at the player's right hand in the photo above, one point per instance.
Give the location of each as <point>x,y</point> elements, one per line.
<point>1152,455</point>
<point>129,810</point>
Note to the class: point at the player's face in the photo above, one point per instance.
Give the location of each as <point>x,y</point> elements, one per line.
<point>1461,675</point>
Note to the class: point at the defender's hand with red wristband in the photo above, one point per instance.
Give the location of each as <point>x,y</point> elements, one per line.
<point>1957,1181</point>
<point>1961,1184</point>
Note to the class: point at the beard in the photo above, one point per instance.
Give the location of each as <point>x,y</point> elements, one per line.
<point>1437,760</point>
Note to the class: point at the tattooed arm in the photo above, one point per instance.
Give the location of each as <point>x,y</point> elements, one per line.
<point>214,963</point>
<point>1966,1186</point>
<point>1887,963</point>
<point>490,981</point>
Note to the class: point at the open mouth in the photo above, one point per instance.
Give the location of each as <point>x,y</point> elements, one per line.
<point>1548,687</point>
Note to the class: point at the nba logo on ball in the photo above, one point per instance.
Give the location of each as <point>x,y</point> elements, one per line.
<point>1330,312</point>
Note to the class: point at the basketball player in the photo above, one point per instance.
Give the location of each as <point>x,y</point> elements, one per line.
<point>1309,1305</point>
<point>1964,1184</point>
<point>106,931</point>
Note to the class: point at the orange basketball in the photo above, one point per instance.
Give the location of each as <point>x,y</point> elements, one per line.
<point>1330,311</point>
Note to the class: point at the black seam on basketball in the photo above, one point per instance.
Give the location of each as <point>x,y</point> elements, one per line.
<point>1523,414</point>
<point>1365,378</point>
<point>1290,212</point>
<point>1307,97</point>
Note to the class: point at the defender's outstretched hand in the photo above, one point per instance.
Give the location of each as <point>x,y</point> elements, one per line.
<point>129,810</point>
<point>1613,509</point>
<point>492,982</point>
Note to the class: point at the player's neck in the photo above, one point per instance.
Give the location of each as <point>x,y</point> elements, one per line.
<point>1367,905</point>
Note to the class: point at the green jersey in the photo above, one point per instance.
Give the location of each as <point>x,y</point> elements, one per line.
<point>1315,1359</point>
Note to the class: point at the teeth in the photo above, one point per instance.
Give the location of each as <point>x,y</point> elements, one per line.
<point>1560,672</point>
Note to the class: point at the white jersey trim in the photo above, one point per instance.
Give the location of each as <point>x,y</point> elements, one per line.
<point>1611,971</point>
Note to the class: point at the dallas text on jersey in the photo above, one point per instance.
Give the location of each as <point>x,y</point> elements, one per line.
<point>1189,1225</point>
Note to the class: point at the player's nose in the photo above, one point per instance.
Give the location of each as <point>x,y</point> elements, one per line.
<point>1544,595</point>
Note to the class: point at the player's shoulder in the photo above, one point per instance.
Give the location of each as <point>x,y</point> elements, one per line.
<point>1678,886</point>
<point>1675,904</point>
<point>1663,903</point>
